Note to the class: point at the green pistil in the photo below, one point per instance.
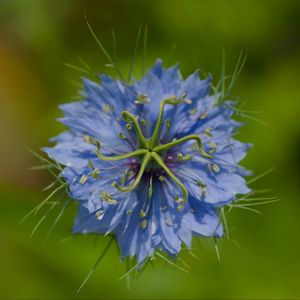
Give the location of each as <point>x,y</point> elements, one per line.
<point>171,101</point>
<point>151,151</point>
<point>158,159</point>
<point>127,116</point>
<point>123,156</point>
<point>182,140</point>
<point>138,178</point>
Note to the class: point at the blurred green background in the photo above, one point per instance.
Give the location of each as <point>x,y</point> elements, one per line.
<point>262,261</point>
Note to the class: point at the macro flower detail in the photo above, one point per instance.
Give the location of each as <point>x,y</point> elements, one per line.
<point>151,162</point>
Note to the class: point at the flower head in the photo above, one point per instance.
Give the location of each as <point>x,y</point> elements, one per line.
<point>150,162</point>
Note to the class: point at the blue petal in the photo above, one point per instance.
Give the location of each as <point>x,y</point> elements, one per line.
<point>86,222</point>
<point>169,237</point>
<point>203,220</point>
<point>157,68</point>
<point>72,153</point>
<point>194,88</point>
<point>117,94</point>
<point>152,87</point>
<point>170,78</point>
<point>221,188</point>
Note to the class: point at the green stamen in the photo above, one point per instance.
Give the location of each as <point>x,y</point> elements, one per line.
<point>161,178</point>
<point>91,165</point>
<point>150,190</point>
<point>182,157</point>
<point>108,198</point>
<point>95,173</point>
<point>169,124</point>
<point>83,179</point>
<point>128,126</point>
<point>122,136</point>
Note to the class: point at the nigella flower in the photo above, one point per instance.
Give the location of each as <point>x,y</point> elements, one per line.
<point>150,162</point>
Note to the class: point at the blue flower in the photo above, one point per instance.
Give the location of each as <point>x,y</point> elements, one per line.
<point>151,162</point>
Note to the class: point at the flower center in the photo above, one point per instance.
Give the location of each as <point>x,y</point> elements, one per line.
<point>150,150</point>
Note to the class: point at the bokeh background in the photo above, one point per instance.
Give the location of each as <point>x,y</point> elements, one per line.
<point>37,37</point>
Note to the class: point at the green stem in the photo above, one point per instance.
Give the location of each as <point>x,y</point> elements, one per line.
<point>158,159</point>
<point>182,140</point>
<point>127,116</point>
<point>154,138</point>
<point>138,178</point>
<point>119,157</point>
